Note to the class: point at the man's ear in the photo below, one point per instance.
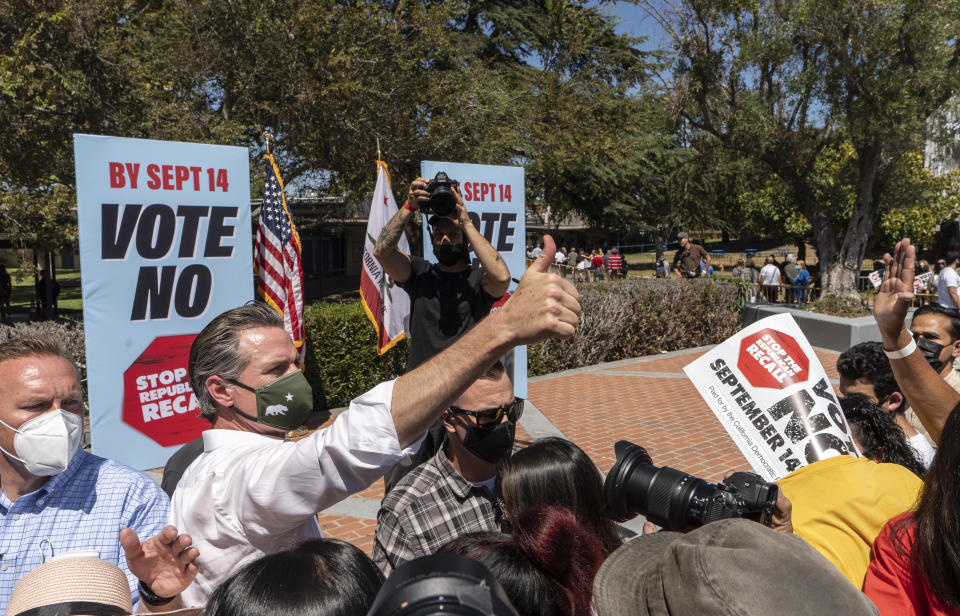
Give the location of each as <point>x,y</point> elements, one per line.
<point>894,402</point>
<point>955,351</point>
<point>447,420</point>
<point>219,390</point>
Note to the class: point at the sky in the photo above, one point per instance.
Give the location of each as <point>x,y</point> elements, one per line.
<point>635,22</point>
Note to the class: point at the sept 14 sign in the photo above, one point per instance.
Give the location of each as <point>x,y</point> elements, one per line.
<point>494,198</point>
<point>767,387</point>
<point>165,246</point>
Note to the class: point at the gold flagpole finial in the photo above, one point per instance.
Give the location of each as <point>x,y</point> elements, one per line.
<point>378,149</point>
<point>267,138</point>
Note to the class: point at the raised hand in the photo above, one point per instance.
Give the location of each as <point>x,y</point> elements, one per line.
<point>417,195</point>
<point>164,563</point>
<point>896,292</point>
<point>544,305</point>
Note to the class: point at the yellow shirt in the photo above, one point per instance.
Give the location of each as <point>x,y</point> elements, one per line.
<point>841,503</point>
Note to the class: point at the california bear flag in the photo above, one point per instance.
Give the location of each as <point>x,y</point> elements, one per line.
<point>387,305</point>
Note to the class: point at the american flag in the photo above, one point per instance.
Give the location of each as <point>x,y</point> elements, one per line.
<point>277,258</point>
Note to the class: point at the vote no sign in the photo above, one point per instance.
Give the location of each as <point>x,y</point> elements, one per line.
<point>165,246</point>
<point>494,197</point>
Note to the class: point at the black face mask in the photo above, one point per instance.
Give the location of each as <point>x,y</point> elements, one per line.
<point>451,254</point>
<point>930,351</point>
<point>491,445</point>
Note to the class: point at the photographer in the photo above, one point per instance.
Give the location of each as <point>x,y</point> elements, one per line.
<point>446,298</point>
<point>686,261</point>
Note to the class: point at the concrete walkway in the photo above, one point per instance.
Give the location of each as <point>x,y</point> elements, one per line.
<point>646,400</point>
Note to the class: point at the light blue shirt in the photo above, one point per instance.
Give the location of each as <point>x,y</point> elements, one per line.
<point>83,508</point>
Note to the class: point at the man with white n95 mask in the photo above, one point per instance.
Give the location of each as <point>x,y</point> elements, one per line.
<point>55,497</point>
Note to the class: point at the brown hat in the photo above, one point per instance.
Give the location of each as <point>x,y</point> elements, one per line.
<point>91,585</point>
<point>727,567</point>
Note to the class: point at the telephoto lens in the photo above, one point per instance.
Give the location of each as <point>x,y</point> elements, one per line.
<point>671,499</point>
<point>678,501</point>
<point>441,585</point>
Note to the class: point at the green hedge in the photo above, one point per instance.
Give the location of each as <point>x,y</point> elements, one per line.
<point>620,320</point>
<point>633,318</point>
<point>342,360</point>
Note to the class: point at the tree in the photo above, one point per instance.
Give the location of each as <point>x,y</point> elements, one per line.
<point>547,84</point>
<point>781,82</point>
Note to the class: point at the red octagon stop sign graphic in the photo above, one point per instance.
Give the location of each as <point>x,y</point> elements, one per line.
<point>157,399</point>
<point>773,359</point>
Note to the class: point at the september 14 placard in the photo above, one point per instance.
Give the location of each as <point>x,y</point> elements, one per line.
<point>767,387</point>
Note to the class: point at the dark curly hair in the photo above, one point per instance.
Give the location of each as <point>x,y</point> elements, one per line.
<point>867,362</point>
<point>879,436</point>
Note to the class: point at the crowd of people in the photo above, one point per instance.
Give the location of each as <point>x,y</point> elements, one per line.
<point>238,534</point>
<point>585,265</point>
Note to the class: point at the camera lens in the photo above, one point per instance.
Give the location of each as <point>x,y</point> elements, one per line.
<point>441,585</point>
<point>669,498</point>
<point>442,201</point>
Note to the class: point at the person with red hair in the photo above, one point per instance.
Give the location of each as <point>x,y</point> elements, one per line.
<point>546,567</point>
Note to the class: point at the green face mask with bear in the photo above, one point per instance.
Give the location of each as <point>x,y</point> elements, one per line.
<point>285,403</point>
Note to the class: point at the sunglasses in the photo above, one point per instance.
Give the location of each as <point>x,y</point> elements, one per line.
<point>488,418</point>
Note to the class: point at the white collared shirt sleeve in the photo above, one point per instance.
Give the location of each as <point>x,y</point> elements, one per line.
<point>274,488</point>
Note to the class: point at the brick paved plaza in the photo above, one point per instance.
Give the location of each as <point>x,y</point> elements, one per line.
<point>646,400</point>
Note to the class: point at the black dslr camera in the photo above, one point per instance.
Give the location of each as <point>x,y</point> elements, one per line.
<point>677,501</point>
<point>442,200</point>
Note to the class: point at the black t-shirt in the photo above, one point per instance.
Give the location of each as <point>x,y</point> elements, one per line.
<point>443,305</point>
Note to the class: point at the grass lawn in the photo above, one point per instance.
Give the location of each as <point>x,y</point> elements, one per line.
<point>24,291</point>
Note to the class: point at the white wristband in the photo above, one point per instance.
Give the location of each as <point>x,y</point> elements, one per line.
<point>907,350</point>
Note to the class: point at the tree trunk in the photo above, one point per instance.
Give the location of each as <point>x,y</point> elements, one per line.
<point>840,262</point>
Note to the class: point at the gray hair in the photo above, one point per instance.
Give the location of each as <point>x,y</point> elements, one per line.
<point>215,352</point>
<point>31,345</point>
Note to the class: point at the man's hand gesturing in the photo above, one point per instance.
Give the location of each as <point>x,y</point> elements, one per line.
<point>164,563</point>
<point>544,305</point>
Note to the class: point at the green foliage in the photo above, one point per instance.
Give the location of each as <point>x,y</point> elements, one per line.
<point>342,360</point>
<point>620,320</point>
<point>546,84</point>
<point>642,317</point>
<point>826,96</point>
<point>916,201</point>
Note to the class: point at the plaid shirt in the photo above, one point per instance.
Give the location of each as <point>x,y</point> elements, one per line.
<point>83,508</point>
<point>431,506</point>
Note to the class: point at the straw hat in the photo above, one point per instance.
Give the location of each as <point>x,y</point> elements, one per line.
<point>78,579</point>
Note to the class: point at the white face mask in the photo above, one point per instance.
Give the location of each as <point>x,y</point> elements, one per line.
<point>46,444</point>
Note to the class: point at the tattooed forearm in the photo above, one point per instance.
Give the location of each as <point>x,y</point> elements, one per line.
<point>387,242</point>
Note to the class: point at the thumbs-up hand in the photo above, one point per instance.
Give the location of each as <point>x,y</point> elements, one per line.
<point>544,305</point>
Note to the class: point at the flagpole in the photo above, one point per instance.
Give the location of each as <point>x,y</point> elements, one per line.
<point>266,140</point>
<point>378,151</point>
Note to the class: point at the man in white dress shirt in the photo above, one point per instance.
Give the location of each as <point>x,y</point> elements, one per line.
<point>252,493</point>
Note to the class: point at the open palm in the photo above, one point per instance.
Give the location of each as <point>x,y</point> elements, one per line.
<point>164,563</point>
<point>896,293</point>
